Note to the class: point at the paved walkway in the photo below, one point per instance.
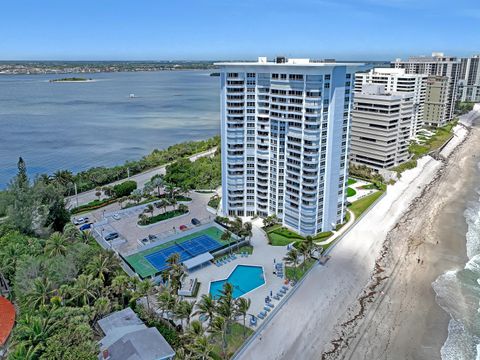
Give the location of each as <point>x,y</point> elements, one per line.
<point>141,179</point>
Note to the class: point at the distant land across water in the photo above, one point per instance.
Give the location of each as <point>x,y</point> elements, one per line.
<point>116,117</point>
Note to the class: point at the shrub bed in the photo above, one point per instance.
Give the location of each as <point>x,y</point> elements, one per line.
<point>93,205</point>
<point>160,217</point>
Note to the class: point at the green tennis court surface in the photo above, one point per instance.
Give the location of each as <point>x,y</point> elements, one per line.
<point>144,268</point>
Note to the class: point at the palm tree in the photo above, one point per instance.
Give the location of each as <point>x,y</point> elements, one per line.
<point>166,301</point>
<point>292,258</point>
<point>242,308</point>
<point>70,232</point>
<point>173,259</point>
<point>183,208</point>
<point>149,209</point>
<point>310,243</point>
<point>157,181</point>
<point>33,330</point>
<point>23,351</point>
<point>56,245</point>
<point>102,307</point>
<point>144,289</point>
<point>85,289</point>
<point>218,326</point>
<point>147,189</point>
<point>206,307</point>
<point>183,310</point>
<point>136,195</point>
<point>170,189</point>
<point>202,348</point>
<point>102,265</point>
<point>163,204</point>
<point>40,295</point>
<point>143,219</point>
<point>195,330</point>
<point>120,285</point>
<point>173,202</point>
<point>63,177</point>
<point>305,250</point>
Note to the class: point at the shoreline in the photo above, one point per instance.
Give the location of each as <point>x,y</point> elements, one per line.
<point>399,315</point>
<point>330,294</point>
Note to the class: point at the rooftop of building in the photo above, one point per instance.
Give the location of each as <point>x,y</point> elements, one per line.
<point>435,57</point>
<point>128,338</point>
<point>283,61</point>
<point>7,319</point>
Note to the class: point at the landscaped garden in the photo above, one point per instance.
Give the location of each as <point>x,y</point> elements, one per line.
<point>351,192</point>
<point>148,220</point>
<point>281,236</point>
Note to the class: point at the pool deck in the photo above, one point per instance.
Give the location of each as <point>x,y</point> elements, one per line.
<point>263,255</point>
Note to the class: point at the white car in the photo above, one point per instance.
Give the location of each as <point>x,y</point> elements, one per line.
<point>80,221</point>
<point>116,216</point>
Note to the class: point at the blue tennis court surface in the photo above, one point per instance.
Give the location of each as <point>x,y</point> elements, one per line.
<point>187,250</point>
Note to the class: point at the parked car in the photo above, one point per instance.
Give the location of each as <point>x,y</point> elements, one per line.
<point>111,236</point>
<point>85,227</point>
<point>195,221</point>
<point>152,237</point>
<point>80,221</point>
<point>116,216</point>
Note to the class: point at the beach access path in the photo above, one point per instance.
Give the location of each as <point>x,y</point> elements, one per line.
<point>141,179</point>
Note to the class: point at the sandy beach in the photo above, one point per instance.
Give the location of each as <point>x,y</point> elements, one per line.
<point>374,299</point>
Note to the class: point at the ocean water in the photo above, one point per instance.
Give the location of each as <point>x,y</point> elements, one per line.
<point>76,126</point>
<point>458,293</point>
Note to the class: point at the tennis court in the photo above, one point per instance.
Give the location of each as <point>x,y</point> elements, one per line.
<point>152,261</point>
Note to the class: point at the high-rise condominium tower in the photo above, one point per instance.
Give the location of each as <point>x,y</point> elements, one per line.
<point>285,135</point>
<point>469,83</point>
<point>397,81</point>
<point>436,65</point>
<point>381,124</point>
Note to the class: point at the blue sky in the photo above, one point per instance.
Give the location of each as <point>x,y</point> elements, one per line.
<point>236,29</point>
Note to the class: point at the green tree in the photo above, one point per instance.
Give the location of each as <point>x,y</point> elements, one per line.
<point>206,307</point>
<point>85,290</point>
<point>243,305</point>
<point>56,245</point>
<point>292,258</point>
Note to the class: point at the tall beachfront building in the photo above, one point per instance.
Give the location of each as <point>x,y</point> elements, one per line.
<point>381,123</point>
<point>398,81</point>
<point>436,65</point>
<point>285,135</point>
<point>469,83</point>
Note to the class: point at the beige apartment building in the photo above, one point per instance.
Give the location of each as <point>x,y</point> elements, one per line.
<point>397,80</point>
<point>381,123</point>
<point>436,100</point>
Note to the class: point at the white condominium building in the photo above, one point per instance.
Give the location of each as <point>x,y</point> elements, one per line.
<point>381,124</point>
<point>469,83</point>
<point>436,65</point>
<point>396,80</point>
<point>285,135</point>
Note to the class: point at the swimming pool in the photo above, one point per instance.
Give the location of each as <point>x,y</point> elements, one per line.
<point>244,279</point>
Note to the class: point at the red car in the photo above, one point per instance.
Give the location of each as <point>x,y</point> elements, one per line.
<point>183,227</point>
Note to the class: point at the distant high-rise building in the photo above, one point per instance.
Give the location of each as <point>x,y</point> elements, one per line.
<point>381,124</point>
<point>436,100</point>
<point>469,83</point>
<point>436,65</point>
<point>285,135</point>
<point>396,80</point>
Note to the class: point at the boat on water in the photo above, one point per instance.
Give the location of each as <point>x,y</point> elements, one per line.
<point>131,96</point>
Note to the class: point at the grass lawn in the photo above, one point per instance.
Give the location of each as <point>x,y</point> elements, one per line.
<point>351,181</point>
<point>410,164</point>
<point>143,267</point>
<point>214,201</point>
<point>234,340</point>
<point>350,192</point>
<point>369,187</point>
<point>292,274</point>
<point>280,236</point>
<point>359,206</point>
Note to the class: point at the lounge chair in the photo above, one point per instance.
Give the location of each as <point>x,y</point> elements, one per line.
<point>276,297</point>
<point>266,308</point>
<point>253,321</point>
<point>279,294</point>
<point>283,291</point>
<point>261,316</point>
<point>270,305</point>
<point>264,313</point>
<point>285,288</point>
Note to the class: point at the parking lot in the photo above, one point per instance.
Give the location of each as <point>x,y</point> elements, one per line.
<point>124,222</point>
